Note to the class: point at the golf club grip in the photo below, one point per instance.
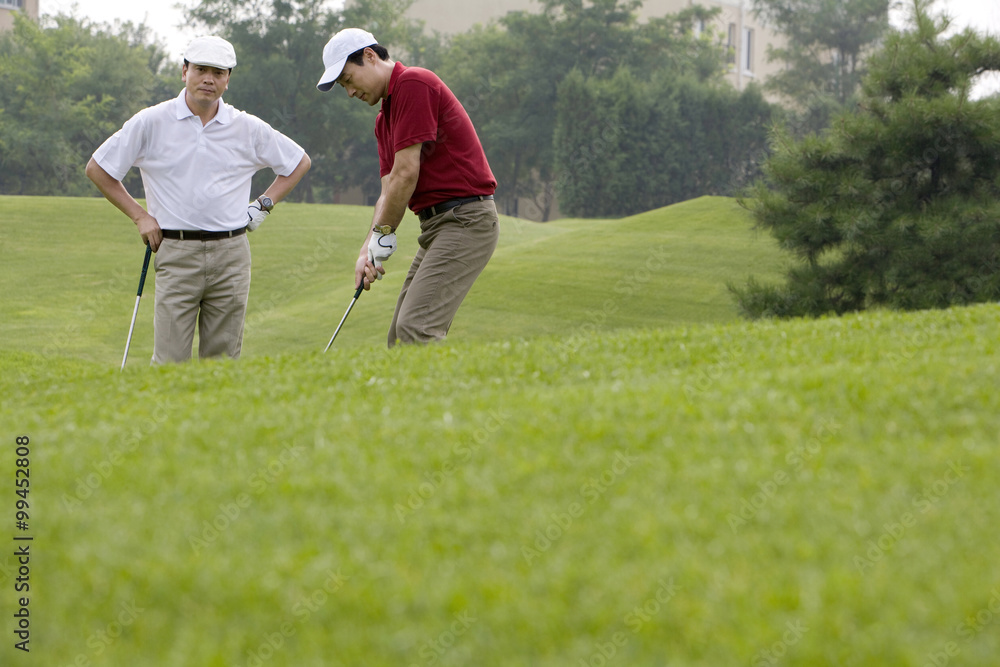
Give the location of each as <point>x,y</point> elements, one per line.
<point>145,267</point>
<point>360,290</point>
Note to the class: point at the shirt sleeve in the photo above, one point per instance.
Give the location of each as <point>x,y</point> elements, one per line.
<point>276,151</point>
<point>124,149</point>
<point>414,114</point>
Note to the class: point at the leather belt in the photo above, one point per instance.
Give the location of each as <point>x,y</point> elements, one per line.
<point>429,212</point>
<point>198,235</point>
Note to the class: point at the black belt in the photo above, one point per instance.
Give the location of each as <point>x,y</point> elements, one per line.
<point>429,212</point>
<point>198,235</point>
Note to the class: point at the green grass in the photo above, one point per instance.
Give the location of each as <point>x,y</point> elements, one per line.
<point>71,268</point>
<point>683,490</point>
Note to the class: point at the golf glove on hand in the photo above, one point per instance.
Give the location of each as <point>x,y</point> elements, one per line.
<point>380,248</point>
<point>255,215</point>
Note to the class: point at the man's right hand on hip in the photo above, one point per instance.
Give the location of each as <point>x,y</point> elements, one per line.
<point>150,231</point>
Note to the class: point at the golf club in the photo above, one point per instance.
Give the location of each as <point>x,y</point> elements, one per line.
<point>138,295</point>
<point>356,295</point>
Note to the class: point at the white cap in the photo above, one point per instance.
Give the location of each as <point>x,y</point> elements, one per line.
<point>335,53</point>
<point>211,51</point>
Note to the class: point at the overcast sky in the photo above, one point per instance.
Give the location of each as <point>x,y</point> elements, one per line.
<point>163,16</point>
<point>167,21</point>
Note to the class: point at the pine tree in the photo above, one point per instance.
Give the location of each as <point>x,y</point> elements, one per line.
<point>898,203</point>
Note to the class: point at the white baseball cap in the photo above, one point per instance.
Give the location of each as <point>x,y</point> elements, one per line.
<point>335,53</point>
<point>211,51</point>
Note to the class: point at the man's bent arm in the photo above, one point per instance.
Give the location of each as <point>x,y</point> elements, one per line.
<point>115,192</point>
<point>397,188</point>
<point>282,185</point>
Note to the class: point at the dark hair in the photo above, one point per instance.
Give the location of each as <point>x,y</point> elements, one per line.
<point>187,64</point>
<point>357,58</point>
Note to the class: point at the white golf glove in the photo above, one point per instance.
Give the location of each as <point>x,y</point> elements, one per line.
<point>255,215</point>
<point>380,248</point>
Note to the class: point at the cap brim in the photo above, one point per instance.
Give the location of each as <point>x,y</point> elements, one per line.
<point>207,64</point>
<point>329,78</point>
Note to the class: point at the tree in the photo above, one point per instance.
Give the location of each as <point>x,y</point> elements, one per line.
<point>898,203</point>
<point>632,144</point>
<point>511,70</point>
<point>507,72</point>
<point>827,41</point>
<point>65,86</point>
<point>497,82</point>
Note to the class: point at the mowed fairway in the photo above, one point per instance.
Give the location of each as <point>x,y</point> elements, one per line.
<point>601,467</point>
<point>71,268</point>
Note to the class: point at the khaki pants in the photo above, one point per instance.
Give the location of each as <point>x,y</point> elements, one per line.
<point>203,281</point>
<point>454,249</point>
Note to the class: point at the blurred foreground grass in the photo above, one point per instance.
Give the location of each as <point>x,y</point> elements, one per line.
<point>796,493</point>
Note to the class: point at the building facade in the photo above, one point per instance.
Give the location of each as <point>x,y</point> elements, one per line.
<point>8,7</point>
<point>735,26</point>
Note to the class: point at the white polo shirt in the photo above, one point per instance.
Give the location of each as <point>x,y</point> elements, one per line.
<point>197,177</point>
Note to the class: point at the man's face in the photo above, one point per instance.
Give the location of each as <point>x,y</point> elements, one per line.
<point>205,84</point>
<point>363,82</point>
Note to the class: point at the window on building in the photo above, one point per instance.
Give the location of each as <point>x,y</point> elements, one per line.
<point>11,4</point>
<point>747,58</point>
<point>731,45</point>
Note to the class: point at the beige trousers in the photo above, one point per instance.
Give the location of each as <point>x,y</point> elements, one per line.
<point>207,282</point>
<point>455,247</point>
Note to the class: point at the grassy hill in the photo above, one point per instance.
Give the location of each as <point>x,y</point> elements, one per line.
<point>698,491</point>
<point>72,266</point>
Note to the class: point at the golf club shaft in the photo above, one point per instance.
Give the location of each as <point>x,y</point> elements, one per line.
<point>138,296</point>
<point>128,341</point>
<point>356,295</point>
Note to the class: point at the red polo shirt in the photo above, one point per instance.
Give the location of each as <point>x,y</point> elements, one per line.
<point>419,108</point>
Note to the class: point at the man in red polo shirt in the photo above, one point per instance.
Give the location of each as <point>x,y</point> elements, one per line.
<point>431,160</point>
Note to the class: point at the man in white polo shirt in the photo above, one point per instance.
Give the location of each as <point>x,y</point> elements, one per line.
<point>197,155</point>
